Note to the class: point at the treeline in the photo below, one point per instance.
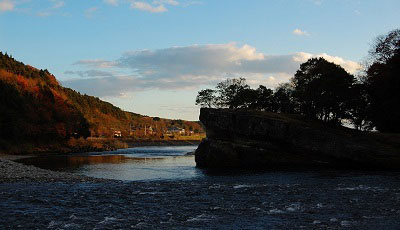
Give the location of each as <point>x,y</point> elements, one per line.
<point>8,63</point>
<point>321,90</point>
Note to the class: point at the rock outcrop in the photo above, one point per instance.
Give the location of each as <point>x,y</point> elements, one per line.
<point>244,139</point>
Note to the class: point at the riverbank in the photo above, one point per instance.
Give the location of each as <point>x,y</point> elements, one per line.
<point>87,145</point>
<point>12,172</point>
<point>144,143</point>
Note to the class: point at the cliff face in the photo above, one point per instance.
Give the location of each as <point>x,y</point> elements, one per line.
<point>242,139</point>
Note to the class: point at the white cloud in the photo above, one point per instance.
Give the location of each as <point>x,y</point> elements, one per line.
<point>89,13</point>
<point>300,32</point>
<point>144,6</point>
<point>112,2</point>
<point>154,6</point>
<point>187,68</point>
<point>350,66</point>
<point>6,5</point>
<point>169,2</point>
<point>57,4</point>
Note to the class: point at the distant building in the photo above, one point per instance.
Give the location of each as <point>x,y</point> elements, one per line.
<point>149,130</point>
<point>175,130</point>
<point>117,133</point>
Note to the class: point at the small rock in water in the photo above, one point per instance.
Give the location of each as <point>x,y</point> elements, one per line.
<point>275,211</point>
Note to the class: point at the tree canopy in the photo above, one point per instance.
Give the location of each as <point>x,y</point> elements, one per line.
<point>322,90</point>
<point>383,82</point>
<point>319,90</point>
<point>385,47</point>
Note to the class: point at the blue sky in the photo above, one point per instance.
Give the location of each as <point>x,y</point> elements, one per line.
<point>151,57</point>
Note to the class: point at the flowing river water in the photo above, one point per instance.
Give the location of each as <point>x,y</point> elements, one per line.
<point>160,188</point>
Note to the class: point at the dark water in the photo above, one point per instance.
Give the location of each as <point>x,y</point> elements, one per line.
<point>203,200</point>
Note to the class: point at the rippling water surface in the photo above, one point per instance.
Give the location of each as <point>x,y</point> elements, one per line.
<point>163,190</point>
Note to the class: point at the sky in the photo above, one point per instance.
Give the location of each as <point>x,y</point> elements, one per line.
<point>153,56</point>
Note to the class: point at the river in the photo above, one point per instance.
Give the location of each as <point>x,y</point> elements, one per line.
<point>162,189</point>
<point>133,164</point>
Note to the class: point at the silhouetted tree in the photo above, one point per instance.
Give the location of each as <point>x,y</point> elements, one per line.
<point>358,107</point>
<point>385,46</point>
<point>283,98</point>
<point>263,99</point>
<point>230,92</point>
<point>206,98</point>
<point>322,89</point>
<point>384,91</point>
<point>246,99</point>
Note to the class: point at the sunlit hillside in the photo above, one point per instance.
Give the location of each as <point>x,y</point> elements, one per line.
<point>35,108</point>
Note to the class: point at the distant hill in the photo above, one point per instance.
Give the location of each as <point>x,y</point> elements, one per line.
<point>36,109</point>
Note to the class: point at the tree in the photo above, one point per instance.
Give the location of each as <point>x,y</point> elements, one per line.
<point>322,89</point>
<point>383,84</point>
<point>283,99</point>
<point>245,99</point>
<point>264,100</point>
<point>206,98</point>
<point>230,93</point>
<point>385,46</point>
<point>358,107</point>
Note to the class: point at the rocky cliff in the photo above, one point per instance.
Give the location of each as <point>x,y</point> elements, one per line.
<point>244,139</point>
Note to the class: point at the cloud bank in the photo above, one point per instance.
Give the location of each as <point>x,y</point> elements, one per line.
<point>188,67</point>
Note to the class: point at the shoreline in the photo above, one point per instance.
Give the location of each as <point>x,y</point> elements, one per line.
<point>127,143</point>
<point>132,144</point>
<point>14,172</point>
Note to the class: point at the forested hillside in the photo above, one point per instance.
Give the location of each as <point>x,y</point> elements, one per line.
<point>36,109</point>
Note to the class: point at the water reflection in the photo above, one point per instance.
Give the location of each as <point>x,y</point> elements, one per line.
<point>145,163</point>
